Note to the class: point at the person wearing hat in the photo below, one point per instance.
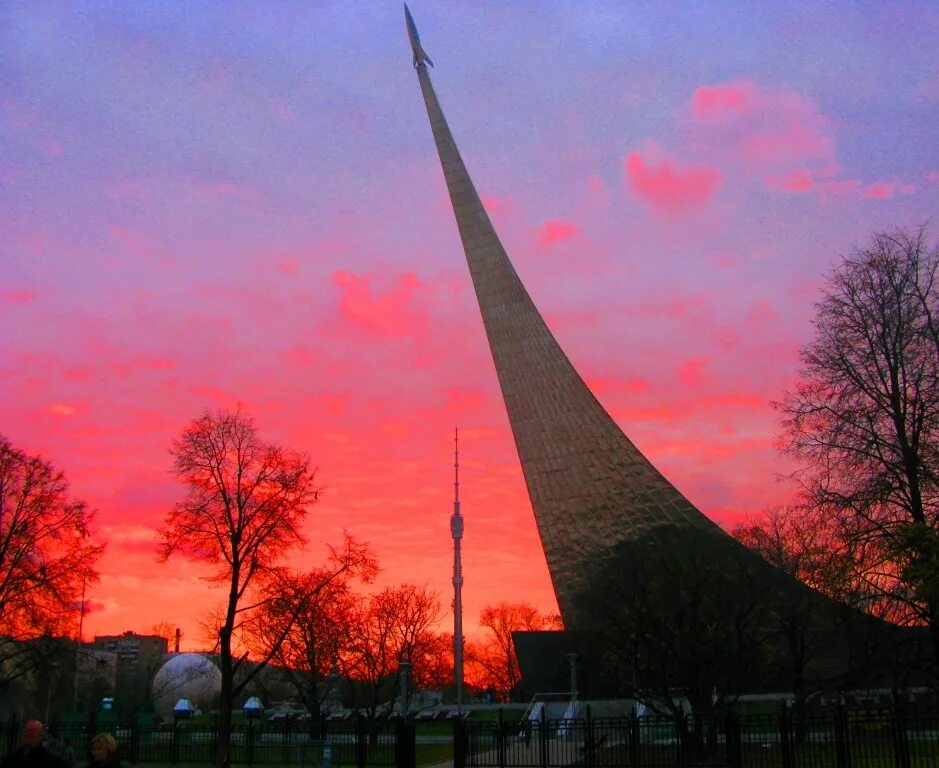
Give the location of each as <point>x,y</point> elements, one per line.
<point>32,753</point>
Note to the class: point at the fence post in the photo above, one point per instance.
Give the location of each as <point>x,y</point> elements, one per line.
<point>500,740</point>
<point>785,736</point>
<point>543,736</point>
<point>134,749</point>
<point>901,747</point>
<point>633,735</point>
<point>405,746</point>
<point>842,745</point>
<point>213,742</point>
<point>361,742</point>
<point>680,724</point>
<point>459,741</point>
<point>589,742</point>
<point>732,737</point>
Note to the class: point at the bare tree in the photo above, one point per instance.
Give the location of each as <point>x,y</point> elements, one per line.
<point>496,656</point>
<point>245,503</point>
<point>46,557</point>
<point>389,627</point>
<point>305,618</point>
<point>802,542</point>
<point>680,612</point>
<point>864,418</point>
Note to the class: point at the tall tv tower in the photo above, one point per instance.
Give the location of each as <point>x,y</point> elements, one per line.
<point>456,530</point>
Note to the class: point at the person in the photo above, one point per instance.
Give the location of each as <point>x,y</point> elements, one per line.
<point>104,752</point>
<point>32,753</point>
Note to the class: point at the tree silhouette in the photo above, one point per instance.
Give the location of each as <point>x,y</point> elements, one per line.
<point>680,612</point>
<point>305,619</point>
<point>46,557</point>
<point>864,418</point>
<point>389,627</point>
<point>497,665</point>
<point>245,503</point>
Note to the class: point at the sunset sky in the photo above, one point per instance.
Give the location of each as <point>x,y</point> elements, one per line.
<point>207,204</point>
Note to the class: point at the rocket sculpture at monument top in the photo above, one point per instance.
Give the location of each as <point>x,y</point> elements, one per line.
<point>415,39</point>
<point>589,486</point>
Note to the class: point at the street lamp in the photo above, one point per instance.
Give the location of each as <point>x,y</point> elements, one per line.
<point>404,666</point>
<point>183,709</point>
<point>253,709</point>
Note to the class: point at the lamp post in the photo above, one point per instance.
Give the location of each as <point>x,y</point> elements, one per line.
<point>404,667</point>
<point>182,711</point>
<point>253,709</point>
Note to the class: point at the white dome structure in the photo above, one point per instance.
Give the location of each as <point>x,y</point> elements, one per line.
<point>186,676</point>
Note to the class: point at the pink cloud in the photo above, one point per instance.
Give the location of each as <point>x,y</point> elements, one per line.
<point>767,129</point>
<point>717,102</point>
<point>884,190</point>
<point>802,180</point>
<point>670,188</point>
<point>388,314</point>
<point>61,409</point>
<point>556,231</point>
<point>796,182</point>
<point>19,296</point>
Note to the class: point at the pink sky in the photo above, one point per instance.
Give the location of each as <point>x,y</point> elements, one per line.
<point>241,203</point>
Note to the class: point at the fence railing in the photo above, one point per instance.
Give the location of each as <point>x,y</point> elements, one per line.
<point>357,742</point>
<point>839,738</point>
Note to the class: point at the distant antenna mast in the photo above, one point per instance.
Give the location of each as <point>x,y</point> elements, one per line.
<point>456,530</point>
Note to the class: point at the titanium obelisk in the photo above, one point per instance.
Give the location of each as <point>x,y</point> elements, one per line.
<point>589,486</point>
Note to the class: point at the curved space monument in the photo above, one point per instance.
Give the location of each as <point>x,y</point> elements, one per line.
<point>589,486</point>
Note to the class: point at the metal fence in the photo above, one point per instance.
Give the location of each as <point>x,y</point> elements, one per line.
<point>832,739</point>
<point>839,738</point>
<point>355,742</point>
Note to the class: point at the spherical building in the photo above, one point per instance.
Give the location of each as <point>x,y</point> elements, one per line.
<point>186,676</point>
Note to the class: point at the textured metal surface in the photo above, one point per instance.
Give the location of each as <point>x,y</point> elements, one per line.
<point>590,487</point>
